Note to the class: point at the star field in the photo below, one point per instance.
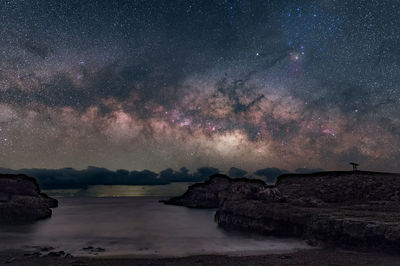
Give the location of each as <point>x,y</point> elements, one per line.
<point>157,84</point>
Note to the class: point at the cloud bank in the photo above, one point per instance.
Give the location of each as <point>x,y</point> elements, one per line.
<point>70,178</point>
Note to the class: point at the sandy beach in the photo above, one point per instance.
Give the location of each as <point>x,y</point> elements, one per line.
<point>306,257</point>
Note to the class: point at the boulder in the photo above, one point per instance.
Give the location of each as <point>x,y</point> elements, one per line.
<point>22,201</point>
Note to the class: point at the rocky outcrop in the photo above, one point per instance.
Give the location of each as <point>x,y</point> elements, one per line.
<point>22,201</point>
<point>357,210</point>
<point>336,187</point>
<point>220,188</point>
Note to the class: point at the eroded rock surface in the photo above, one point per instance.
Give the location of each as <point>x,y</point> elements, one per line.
<point>22,201</point>
<point>220,188</point>
<point>346,186</point>
<point>356,210</point>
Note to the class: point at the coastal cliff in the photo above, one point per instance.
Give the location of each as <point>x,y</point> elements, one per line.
<point>220,188</point>
<point>21,200</point>
<point>356,210</point>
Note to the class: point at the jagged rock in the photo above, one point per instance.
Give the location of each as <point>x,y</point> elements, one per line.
<point>357,210</point>
<point>46,249</point>
<point>220,188</point>
<point>94,250</point>
<point>56,254</point>
<point>203,195</point>
<point>33,254</point>
<point>22,201</point>
<point>250,189</point>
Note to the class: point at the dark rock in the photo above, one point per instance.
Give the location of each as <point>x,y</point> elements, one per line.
<point>98,249</point>
<point>33,254</point>
<point>11,260</point>
<point>93,250</point>
<point>356,210</point>
<point>279,219</point>
<point>203,195</point>
<point>56,254</point>
<point>79,263</point>
<point>312,242</point>
<point>220,188</point>
<point>46,249</point>
<point>22,201</point>
<point>337,187</point>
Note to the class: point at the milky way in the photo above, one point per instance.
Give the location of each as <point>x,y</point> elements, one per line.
<point>157,84</point>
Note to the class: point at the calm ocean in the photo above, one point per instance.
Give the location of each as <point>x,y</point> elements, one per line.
<point>135,224</point>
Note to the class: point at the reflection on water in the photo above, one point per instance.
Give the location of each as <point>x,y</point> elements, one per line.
<point>169,190</point>
<point>135,225</point>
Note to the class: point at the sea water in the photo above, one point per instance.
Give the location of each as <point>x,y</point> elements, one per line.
<point>135,226</point>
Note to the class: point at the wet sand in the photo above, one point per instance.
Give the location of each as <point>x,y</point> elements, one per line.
<point>304,257</point>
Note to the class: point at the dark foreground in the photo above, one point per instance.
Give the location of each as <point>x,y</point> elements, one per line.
<point>354,210</point>
<point>306,257</point>
<point>22,201</point>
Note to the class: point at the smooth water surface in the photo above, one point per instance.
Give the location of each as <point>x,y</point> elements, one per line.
<point>169,190</point>
<point>135,226</point>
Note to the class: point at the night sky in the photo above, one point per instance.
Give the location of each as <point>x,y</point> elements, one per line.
<point>172,83</point>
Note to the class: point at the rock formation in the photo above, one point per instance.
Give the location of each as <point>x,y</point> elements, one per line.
<point>336,187</point>
<point>220,188</point>
<point>356,210</point>
<point>21,200</point>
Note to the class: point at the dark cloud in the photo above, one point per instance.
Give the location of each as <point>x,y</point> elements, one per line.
<point>182,175</point>
<point>270,174</point>
<point>205,172</point>
<point>236,172</point>
<point>72,178</point>
<point>30,44</point>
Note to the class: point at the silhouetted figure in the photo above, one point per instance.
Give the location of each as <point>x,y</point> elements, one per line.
<point>354,166</point>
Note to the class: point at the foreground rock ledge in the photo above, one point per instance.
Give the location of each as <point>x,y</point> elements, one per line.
<point>355,210</point>
<point>21,200</point>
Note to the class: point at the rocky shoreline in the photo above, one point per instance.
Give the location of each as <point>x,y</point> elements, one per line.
<point>21,200</point>
<point>220,188</point>
<point>315,257</point>
<point>353,210</point>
